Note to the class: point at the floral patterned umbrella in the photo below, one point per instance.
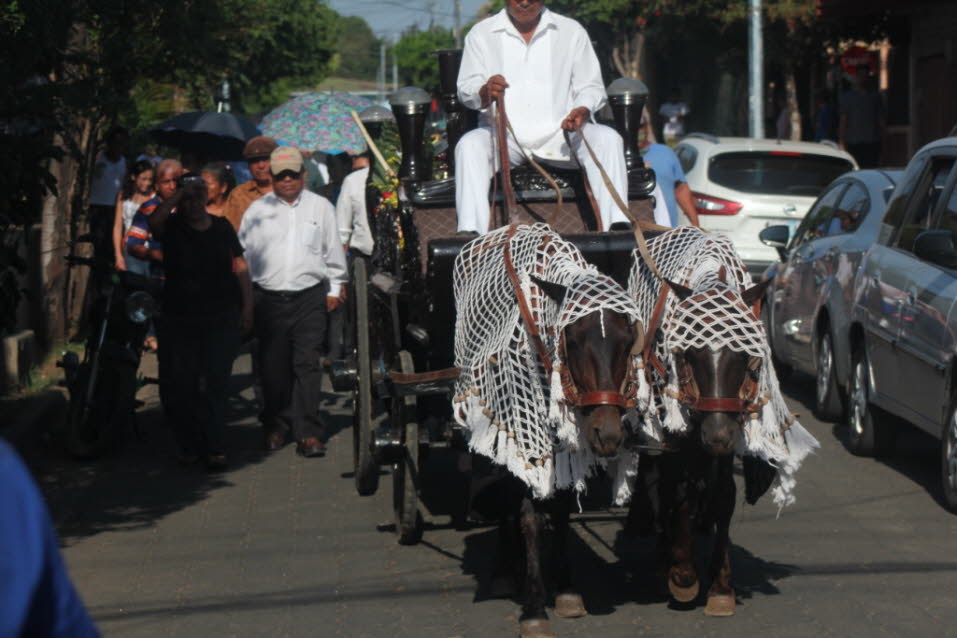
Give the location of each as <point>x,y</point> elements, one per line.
<point>318,122</point>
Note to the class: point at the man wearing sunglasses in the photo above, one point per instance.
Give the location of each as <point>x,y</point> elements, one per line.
<point>544,66</point>
<point>298,268</point>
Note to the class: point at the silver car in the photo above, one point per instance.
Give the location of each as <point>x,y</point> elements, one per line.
<point>904,317</point>
<point>807,308</point>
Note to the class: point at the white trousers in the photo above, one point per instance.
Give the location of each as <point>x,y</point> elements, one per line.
<point>476,163</point>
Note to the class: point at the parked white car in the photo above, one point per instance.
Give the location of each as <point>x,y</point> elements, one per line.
<point>741,185</point>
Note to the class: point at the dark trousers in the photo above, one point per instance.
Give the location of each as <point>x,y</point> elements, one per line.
<point>197,362</point>
<point>101,227</point>
<point>292,333</point>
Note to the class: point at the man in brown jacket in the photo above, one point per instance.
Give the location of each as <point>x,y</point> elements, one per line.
<point>256,153</point>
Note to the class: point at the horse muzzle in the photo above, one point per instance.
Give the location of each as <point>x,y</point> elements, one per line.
<point>720,433</point>
<point>603,429</point>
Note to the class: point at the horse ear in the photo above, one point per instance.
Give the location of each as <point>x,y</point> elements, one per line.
<point>555,291</point>
<point>682,292</point>
<point>755,292</point>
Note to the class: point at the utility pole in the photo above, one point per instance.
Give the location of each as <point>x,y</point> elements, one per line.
<point>395,71</point>
<point>381,77</point>
<point>755,71</point>
<point>457,29</point>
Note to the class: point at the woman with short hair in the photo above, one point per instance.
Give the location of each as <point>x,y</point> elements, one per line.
<point>207,306</point>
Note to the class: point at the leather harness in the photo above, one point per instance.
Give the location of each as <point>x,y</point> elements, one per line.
<point>578,399</point>
<point>688,393</point>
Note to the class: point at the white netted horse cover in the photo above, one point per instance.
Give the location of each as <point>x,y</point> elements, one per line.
<point>715,316</point>
<point>516,415</point>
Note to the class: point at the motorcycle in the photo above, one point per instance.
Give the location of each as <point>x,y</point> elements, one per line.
<point>103,384</point>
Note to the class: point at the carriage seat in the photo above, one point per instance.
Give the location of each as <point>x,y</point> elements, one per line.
<point>434,203</point>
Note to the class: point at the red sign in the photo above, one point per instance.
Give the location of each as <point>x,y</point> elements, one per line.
<point>856,56</point>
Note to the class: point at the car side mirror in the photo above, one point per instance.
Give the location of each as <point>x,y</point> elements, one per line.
<point>777,238</point>
<point>936,247</point>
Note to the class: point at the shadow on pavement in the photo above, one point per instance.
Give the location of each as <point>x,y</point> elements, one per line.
<point>141,481</point>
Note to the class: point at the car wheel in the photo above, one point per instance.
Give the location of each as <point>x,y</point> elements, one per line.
<point>868,432</point>
<point>828,403</point>
<point>948,459</point>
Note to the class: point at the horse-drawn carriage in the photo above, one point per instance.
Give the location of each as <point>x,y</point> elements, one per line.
<point>575,348</point>
<point>401,374</point>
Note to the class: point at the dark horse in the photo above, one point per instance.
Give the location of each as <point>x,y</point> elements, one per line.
<point>533,533</point>
<point>691,486</point>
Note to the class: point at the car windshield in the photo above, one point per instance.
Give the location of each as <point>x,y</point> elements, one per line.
<point>776,172</point>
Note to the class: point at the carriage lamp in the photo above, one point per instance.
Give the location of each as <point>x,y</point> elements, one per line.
<point>410,105</point>
<point>459,119</point>
<point>374,117</point>
<point>627,98</point>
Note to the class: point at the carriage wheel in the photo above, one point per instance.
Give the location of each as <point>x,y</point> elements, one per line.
<point>365,468</point>
<point>405,473</point>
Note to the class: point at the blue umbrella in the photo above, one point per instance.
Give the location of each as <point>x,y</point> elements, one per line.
<point>208,134</point>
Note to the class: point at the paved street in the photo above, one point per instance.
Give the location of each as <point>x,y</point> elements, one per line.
<point>282,546</point>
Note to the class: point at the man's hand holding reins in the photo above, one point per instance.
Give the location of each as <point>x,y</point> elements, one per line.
<point>494,88</point>
<point>574,120</point>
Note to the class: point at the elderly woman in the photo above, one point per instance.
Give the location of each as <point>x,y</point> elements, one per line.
<point>219,181</point>
<point>207,305</point>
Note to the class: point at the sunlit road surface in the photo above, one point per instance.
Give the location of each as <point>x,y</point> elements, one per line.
<point>283,546</point>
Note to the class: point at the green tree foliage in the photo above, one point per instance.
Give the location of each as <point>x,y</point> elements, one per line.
<point>357,51</point>
<point>74,67</point>
<point>417,65</point>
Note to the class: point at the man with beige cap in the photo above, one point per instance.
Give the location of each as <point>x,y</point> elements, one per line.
<point>256,153</point>
<point>298,269</point>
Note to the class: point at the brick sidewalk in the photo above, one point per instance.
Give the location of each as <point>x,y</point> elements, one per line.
<point>283,546</point>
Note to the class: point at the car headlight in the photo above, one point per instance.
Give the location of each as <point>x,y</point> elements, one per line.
<point>140,306</point>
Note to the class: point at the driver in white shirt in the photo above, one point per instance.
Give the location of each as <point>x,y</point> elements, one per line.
<point>546,69</point>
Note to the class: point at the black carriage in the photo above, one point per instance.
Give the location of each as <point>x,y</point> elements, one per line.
<point>400,372</point>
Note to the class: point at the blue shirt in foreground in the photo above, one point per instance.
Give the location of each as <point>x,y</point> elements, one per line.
<point>37,598</point>
<point>661,159</point>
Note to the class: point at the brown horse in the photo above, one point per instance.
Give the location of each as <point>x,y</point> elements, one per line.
<point>533,532</point>
<point>547,348</point>
<point>693,481</point>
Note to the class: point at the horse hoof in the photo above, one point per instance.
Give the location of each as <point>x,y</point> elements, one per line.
<point>535,628</point>
<point>720,605</point>
<point>570,606</point>
<point>682,594</point>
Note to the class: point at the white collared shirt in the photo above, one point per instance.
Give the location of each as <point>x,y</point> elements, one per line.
<point>293,246</point>
<point>554,73</point>
<point>351,212</point>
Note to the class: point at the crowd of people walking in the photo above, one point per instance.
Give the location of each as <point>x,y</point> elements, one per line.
<point>262,261</point>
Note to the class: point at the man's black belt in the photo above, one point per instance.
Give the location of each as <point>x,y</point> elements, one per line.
<point>287,295</point>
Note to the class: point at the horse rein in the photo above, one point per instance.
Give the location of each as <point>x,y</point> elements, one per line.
<point>572,395</point>
<point>502,129</point>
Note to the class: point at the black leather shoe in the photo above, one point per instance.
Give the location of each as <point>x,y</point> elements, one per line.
<point>275,440</point>
<point>310,446</point>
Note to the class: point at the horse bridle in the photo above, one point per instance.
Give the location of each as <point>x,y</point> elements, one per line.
<point>620,398</point>
<point>623,398</point>
<point>748,400</point>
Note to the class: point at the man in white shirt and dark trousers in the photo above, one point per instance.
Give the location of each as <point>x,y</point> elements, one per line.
<point>546,69</point>
<point>298,268</point>
<point>109,170</point>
